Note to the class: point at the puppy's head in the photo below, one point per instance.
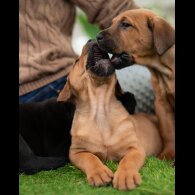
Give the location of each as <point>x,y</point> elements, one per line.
<point>138,33</point>
<point>92,66</point>
<point>98,64</point>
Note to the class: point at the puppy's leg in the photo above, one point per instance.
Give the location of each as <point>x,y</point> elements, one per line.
<point>97,173</point>
<point>167,129</point>
<point>166,117</point>
<point>127,176</point>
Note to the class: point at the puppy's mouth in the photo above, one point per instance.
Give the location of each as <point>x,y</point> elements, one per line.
<point>98,61</point>
<point>118,60</point>
<point>122,60</point>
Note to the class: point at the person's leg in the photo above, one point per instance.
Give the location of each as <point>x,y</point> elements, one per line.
<point>45,92</point>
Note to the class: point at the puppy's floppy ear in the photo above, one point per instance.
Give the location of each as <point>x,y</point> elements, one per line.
<point>126,98</point>
<point>65,94</point>
<point>163,34</point>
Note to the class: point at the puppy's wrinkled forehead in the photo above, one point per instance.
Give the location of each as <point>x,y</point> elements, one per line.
<point>82,59</point>
<point>135,17</point>
<point>78,71</point>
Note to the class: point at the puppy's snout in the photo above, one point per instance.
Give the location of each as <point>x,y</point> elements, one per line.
<point>105,41</point>
<point>99,37</point>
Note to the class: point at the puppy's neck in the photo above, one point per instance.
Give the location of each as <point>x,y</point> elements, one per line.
<point>164,64</point>
<point>98,97</point>
<point>98,82</point>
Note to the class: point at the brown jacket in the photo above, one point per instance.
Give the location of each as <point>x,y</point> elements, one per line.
<point>45,31</point>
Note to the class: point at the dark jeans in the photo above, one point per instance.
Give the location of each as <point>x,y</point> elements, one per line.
<point>45,92</point>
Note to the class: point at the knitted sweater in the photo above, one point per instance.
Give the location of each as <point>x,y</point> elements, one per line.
<point>45,30</point>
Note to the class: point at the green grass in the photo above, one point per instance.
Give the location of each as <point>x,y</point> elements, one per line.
<point>158,178</point>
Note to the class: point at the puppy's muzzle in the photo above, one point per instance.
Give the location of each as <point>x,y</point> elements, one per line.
<point>118,60</point>
<point>98,61</point>
<point>105,42</point>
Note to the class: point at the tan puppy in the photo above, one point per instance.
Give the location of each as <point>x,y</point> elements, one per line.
<point>140,36</point>
<point>102,129</point>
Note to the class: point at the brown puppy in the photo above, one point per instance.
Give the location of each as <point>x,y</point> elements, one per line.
<point>140,36</point>
<point>102,129</point>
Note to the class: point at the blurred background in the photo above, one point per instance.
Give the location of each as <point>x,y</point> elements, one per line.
<point>135,79</point>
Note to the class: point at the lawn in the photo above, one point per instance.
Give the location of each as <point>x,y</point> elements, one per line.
<point>158,178</point>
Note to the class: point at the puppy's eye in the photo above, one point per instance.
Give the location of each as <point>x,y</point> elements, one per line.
<point>125,25</point>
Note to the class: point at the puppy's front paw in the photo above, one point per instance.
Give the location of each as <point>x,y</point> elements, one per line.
<point>101,176</point>
<point>126,179</point>
<point>167,154</point>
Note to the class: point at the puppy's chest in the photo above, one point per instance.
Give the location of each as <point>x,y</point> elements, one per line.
<point>170,90</point>
<point>169,85</point>
<point>104,138</point>
<point>96,129</point>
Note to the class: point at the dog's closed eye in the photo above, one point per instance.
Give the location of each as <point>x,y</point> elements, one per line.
<point>125,25</point>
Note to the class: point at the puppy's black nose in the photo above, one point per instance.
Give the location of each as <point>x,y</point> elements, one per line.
<point>89,40</point>
<point>99,37</point>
